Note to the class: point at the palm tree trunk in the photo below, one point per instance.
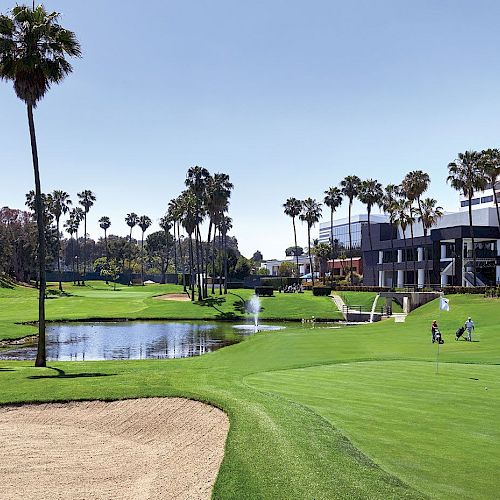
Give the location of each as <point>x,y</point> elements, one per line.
<point>405,254</point>
<point>191,261</point>
<point>41,356</point>
<point>106,245</point>
<point>310,256</point>
<point>392,255</point>
<point>130,258</point>
<point>214,240</point>
<point>84,248</point>
<point>199,265</point>
<point>473,242</point>
<point>496,201</point>
<point>181,254</point>
<point>142,259</point>
<point>221,262</point>
<point>375,282</point>
<point>59,256</point>
<point>224,238</point>
<point>296,254</point>
<point>209,239</point>
<point>77,258</point>
<point>175,255</point>
<point>350,241</point>
<point>331,245</point>
<point>415,279</point>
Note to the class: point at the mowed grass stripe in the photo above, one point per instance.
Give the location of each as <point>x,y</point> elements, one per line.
<point>436,432</point>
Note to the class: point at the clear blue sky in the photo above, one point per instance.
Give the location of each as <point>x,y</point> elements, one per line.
<point>287,97</point>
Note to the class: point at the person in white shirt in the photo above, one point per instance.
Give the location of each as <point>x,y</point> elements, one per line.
<point>469,326</point>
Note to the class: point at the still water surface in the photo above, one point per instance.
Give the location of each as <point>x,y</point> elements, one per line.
<point>131,340</point>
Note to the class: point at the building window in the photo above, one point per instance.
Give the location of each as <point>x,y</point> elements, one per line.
<point>486,199</point>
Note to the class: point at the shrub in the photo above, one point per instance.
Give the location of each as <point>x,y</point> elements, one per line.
<point>264,291</point>
<point>321,291</point>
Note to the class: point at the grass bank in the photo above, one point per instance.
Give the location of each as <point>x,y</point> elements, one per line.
<point>327,413</point>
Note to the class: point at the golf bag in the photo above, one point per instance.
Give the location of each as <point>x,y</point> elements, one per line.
<point>459,332</point>
<point>438,338</point>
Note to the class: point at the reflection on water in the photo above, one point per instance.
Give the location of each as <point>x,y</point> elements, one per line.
<point>129,340</point>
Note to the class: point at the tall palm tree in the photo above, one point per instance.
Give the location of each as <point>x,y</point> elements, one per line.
<point>77,215</point>
<point>293,208</point>
<point>404,217</point>
<point>370,194</point>
<point>173,215</point>
<point>430,215</point>
<point>105,224</point>
<point>311,213</point>
<point>350,189</point>
<point>414,185</point>
<point>389,205</point>
<point>166,224</point>
<point>333,200</point>
<point>466,176</point>
<point>86,200</point>
<point>60,205</point>
<point>187,206</point>
<point>33,51</point>
<point>225,226</point>
<point>144,223</point>
<point>490,164</point>
<point>71,228</point>
<point>131,220</point>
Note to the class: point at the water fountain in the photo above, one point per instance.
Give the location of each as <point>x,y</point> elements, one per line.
<point>253,307</point>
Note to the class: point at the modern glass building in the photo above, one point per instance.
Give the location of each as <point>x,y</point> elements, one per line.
<point>341,229</point>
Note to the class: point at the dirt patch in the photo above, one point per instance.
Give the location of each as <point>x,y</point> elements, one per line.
<point>142,448</point>
<point>180,297</point>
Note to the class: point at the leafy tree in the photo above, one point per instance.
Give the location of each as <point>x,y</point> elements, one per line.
<point>350,189</point>
<point>370,194</point>
<point>293,208</point>
<point>467,176</point>
<point>33,51</point>
<point>294,251</point>
<point>311,213</point>
<point>157,246</point>
<point>257,257</point>
<point>243,268</point>
<point>111,271</point>
<point>86,200</point>
<point>286,269</point>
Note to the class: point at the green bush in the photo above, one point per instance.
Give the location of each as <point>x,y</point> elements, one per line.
<point>264,291</point>
<point>321,291</point>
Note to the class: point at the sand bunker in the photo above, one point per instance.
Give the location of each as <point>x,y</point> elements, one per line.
<point>181,297</point>
<point>141,448</point>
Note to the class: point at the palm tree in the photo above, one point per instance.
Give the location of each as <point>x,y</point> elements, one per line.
<point>87,199</point>
<point>333,200</point>
<point>33,51</point>
<point>77,215</point>
<point>105,224</point>
<point>322,251</point>
<point>350,188</point>
<point>71,228</point>
<point>466,176</point>
<point>429,218</point>
<point>293,208</point>
<point>490,164</point>
<point>144,223</point>
<point>404,218</point>
<point>414,185</point>
<point>60,205</point>
<point>225,226</point>
<point>131,220</point>
<point>370,194</point>
<point>389,204</point>
<point>187,206</point>
<point>311,213</point>
<point>166,224</point>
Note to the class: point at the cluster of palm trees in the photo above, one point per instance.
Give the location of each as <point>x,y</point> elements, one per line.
<point>403,203</point>
<point>206,198</point>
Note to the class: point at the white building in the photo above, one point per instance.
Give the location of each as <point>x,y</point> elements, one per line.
<point>481,199</point>
<point>272,265</point>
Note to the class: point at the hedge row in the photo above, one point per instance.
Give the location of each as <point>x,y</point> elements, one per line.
<point>321,291</point>
<point>264,291</point>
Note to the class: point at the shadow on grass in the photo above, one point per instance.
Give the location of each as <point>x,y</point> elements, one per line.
<point>63,374</point>
<point>6,369</point>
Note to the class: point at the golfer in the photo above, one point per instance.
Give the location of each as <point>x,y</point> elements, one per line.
<point>469,326</point>
<point>434,330</point>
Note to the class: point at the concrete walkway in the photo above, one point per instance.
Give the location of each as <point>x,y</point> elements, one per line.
<point>341,306</point>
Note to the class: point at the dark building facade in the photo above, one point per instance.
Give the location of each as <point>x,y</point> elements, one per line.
<point>442,257</point>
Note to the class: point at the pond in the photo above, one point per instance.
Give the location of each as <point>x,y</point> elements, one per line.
<point>130,340</point>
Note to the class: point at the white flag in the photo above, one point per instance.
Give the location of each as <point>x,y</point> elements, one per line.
<point>444,304</point>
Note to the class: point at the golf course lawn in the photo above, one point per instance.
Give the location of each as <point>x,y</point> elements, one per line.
<point>98,300</point>
<point>365,300</point>
<point>323,412</point>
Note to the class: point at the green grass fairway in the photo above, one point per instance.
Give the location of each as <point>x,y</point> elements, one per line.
<point>98,300</point>
<point>327,413</point>
<point>365,300</point>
